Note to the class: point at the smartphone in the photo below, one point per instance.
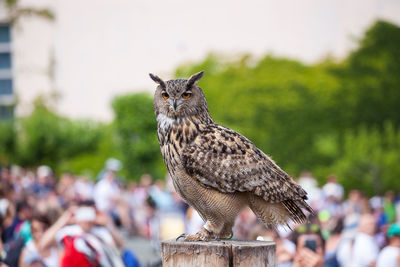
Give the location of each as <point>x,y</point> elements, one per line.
<point>311,244</point>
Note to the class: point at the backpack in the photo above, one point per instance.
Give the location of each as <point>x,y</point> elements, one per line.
<point>72,257</point>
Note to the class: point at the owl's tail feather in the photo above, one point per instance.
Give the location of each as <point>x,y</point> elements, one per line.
<point>304,205</point>
<point>273,214</point>
<point>294,207</point>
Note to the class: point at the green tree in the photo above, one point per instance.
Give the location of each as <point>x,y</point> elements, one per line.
<point>304,115</point>
<point>91,162</point>
<point>137,135</point>
<point>43,137</point>
<point>370,159</point>
<point>7,142</point>
<point>370,80</point>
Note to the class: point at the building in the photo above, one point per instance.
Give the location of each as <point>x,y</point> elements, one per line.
<point>7,97</point>
<point>24,57</point>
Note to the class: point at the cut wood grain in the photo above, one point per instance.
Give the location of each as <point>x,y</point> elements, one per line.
<point>228,253</point>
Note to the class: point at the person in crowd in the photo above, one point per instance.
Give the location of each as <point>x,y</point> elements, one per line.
<point>362,251</point>
<point>87,238</point>
<point>83,189</point>
<point>31,254</point>
<point>353,203</point>
<point>309,245</point>
<point>5,176</point>
<point>332,243</point>
<point>140,210</point>
<point>397,206</point>
<point>333,195</point>
<point>389,207</point>
<point>45,181</point>
<point>23,213</point>
<point>161,197</point>
<point>7,212</point>
<point>107,196</point>
<point>353,228</point>
<point>111,165</point>
<point>65,188</point>
<point>333,189</point>
<point>390,255</point>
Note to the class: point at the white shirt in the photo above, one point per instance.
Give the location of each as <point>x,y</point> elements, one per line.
<point>388,257</point>
<point>365,250</point>
<point>333,189</point>
<point>32,253</point>
<point>358,253</point>
<point>104,191</point>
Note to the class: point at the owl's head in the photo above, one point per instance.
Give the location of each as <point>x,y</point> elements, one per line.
<point>179,98</point>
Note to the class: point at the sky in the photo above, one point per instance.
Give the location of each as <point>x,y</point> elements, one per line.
<point>104,48</point>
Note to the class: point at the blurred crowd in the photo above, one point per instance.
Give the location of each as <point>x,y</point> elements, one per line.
<point>350,232</point>
<point>73,221</point>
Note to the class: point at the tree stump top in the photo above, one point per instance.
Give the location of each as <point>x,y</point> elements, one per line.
<point>235,252</point>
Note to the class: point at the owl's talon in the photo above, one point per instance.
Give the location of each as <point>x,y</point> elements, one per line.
<point>202,235</point>
<point>180,236</point>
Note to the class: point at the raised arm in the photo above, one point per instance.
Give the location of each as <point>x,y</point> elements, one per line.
<point>48,237</point>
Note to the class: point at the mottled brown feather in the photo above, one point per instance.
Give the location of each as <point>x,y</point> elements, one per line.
<point>225,160</point>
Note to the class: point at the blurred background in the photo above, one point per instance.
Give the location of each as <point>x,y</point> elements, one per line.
<point>315,84</point>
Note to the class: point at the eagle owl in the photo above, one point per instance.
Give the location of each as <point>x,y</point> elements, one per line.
<point>216,170</point>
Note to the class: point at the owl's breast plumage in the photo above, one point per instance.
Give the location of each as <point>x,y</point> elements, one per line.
<point>174,135</point>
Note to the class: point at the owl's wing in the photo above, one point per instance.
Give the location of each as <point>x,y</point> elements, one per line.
<point>228,162</point>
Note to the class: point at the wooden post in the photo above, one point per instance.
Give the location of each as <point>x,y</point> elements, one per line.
<point>230,253</point>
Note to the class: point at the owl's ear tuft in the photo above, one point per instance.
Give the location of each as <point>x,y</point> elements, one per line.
<point>157,80</point>
<point>194,78</point>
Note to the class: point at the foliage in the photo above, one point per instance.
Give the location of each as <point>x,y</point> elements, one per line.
<point>7,142</point>
<point>90,163</point>
<point>370,80</point>
<point>311,116</point>
<point>46,138</point>
<point>15,11</point>
<point>370,159</point>
<point>137,133</point>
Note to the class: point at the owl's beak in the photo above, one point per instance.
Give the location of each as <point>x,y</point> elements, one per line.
<point>175,104</point>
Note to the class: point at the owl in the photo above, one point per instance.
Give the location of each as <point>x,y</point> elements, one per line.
<point>216,170</point>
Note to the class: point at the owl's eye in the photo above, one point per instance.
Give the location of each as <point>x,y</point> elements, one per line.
<point>165,95</point>
<point>186,95</point>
